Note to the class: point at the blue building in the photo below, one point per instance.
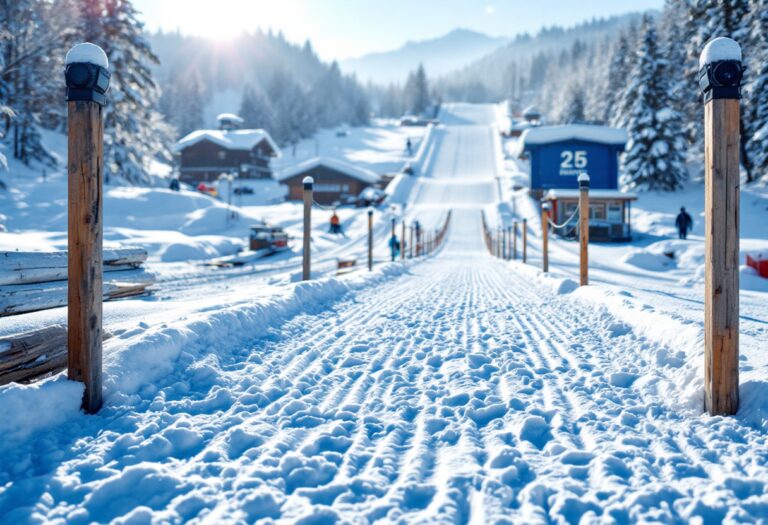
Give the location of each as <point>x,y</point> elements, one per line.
<point>558,154</point>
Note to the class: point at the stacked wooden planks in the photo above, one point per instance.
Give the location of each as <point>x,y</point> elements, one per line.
<point>31,281</point>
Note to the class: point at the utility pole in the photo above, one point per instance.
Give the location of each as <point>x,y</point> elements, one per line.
<point>87,78</point>
<point>720,78</point>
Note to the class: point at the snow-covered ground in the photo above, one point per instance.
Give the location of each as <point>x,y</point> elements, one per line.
<point>458,389</point>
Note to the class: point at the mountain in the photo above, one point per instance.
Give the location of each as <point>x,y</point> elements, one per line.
<point>439,56</point>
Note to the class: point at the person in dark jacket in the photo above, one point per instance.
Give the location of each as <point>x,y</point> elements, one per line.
<point>684,223</point>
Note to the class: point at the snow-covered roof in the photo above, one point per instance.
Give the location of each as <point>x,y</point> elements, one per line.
<point>238,139</point>
<point>551,134</point>
<point>531,111</point>
<point>229,116</point>
<point>87,53</point>
<point>593,194</point>
<point>346,168</point>
<point>721,48</point>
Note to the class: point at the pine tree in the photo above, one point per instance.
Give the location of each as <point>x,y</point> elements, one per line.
<point>134,131</point>
<point>574,105</point>
<point>756,91</point>
<point>416,92</point>
<point>655,152</point>
<point>256,111</point>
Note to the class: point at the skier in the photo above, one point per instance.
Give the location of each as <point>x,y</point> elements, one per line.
<point>335,223</point>
<point>394,246</point>
<point>408,146</point>
<point>684,223</point>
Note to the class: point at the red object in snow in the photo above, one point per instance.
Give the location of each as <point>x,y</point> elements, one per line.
<point>760,263</point>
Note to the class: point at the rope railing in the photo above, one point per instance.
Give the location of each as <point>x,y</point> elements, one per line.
<point>564,224</point>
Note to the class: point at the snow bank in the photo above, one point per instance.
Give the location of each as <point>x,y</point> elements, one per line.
<point>138,358</point>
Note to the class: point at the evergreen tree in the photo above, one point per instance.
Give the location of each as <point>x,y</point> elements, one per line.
<point>134,132</point>
<point>756,92</point>
<point>618,72</point>
<point>256,111</point>
<point>416,92</point>
<point>574,106</point>
<point>654,158</point>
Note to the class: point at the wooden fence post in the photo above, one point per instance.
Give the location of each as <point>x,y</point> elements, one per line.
<point>87,79</point>
<point>370,239</point>
<point>410,249</point>
<point>545,237</point>
<point>720,79</point>
<point>583,229</point>
<point>391,239</point>
<point>525,241</point>
<point>306,270</point>
<point>514,240</point>
<point>402,241</point>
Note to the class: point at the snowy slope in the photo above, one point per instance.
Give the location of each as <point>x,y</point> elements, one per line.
<point>460,389</point>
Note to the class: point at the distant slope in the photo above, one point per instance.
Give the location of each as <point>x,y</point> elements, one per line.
<point>439,55</point>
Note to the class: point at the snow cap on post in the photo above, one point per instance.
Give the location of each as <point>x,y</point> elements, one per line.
<point>308,182</point>
<point>583,180</point>
<point>370,210</point>
<point>720,70</point>
<point>87,74</point>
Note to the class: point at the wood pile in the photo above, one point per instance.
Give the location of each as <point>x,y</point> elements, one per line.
<point>31,281</point>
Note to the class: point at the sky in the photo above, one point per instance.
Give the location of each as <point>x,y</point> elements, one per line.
<point>340,29</point>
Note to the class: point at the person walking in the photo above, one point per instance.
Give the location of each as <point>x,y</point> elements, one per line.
<point>684,223</point>
<point>335,223</point>
<point>394,246</point>
<point>409,146</point>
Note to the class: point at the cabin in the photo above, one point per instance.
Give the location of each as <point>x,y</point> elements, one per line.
<point>609,214</point>
<point>559,154</point>
<point>205,154</point>
<point>335,180</point>
<point>532,115</point>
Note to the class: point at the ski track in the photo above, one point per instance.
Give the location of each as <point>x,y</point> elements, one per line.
<point>460,392</point>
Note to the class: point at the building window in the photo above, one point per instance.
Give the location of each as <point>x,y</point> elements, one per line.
<point>597,212</point>
<point>222,155</point>
<point>615,213</point>
<point>328,188</point>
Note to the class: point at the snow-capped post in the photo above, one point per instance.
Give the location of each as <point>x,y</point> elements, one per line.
<point>545,237</point>
<point>514,240</point>
<point>525,241</point>
<point>583,229</point>
<point>370,239</point>
<point>87,78</point>
<point>720,75</point>
<point>306,271</point>
<point>410,248</point>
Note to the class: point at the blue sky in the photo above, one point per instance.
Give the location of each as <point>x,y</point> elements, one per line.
<point>348,28</point>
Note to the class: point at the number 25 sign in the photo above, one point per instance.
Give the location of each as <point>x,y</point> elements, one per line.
<point>572,162</point>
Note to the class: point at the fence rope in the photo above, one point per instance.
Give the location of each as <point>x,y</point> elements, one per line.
<point>324,208</point>
<point>564,224</point>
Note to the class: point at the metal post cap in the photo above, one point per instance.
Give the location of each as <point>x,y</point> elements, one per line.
<point>583,180</point>
<point>370,211</point>
<point>87,74</point>
<point>308,182</point>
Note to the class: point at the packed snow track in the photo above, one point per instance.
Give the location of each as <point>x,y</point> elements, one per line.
<point>459,391</point>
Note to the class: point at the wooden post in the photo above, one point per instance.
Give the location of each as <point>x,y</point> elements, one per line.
<point>721,80</point>
<point>525,241</point>
<point>87,79</point>
<point>410,248</point>
<point>514,240</point>
<point>392,238</point>
<point>306,270</point>
<point>402,241</point>
<point>583,229</point>
<point>370,239</point>
<point>545,237</point>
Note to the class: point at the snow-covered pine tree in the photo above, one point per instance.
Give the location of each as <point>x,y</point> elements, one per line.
<point>655,153</point>
<point>134,132</point>
<point>294,115</point>
<point>756,92</point>
<point>618,72</point>
<point>416,91</point>
<point>573,109</point>
<point>183,100</point>
<point>256,111</point>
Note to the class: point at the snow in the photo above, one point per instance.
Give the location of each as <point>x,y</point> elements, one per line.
<point>595,193</point>
<point>457,388</point>
<point>549,134</point>
<point>239,139</point>
<point>231,117</point>
<point>346,168</point>
<point>719,49</point>
<point>87,53</point>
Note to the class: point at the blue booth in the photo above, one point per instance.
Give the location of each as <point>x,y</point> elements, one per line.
<point>558,154</point>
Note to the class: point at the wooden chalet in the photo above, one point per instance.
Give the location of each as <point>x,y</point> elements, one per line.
<point>335,180</point>
<point>205,154</point>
